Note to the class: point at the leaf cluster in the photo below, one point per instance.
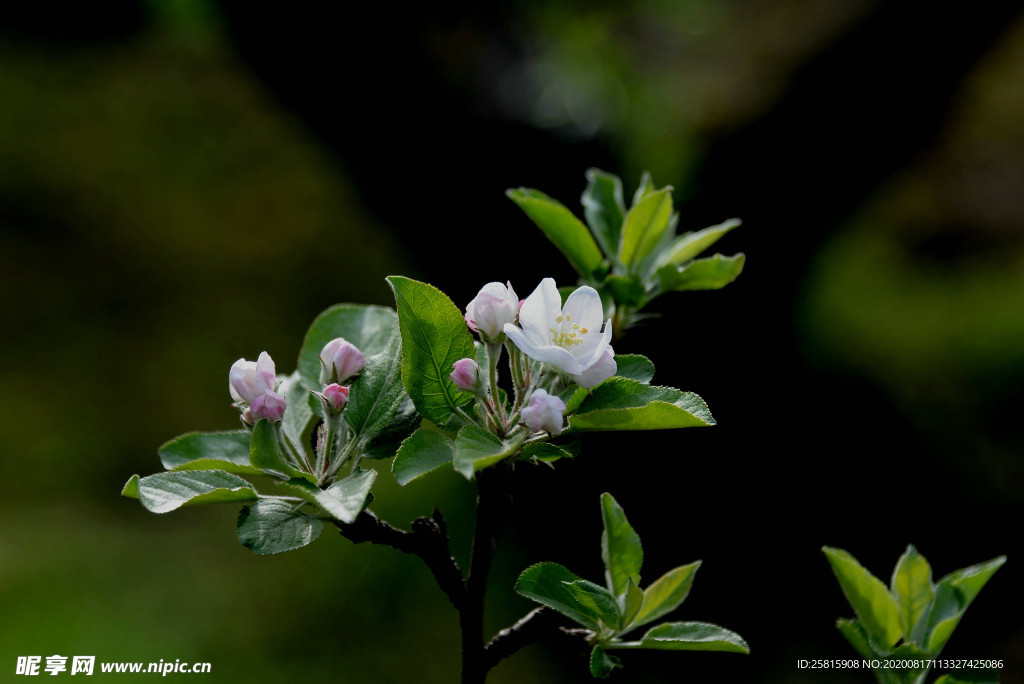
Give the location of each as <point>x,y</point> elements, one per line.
<point>206,467</point>
<point>611,611</point>
<point>911,619</point>
<point>630,256</point>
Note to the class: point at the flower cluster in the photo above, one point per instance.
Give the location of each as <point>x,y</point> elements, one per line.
<point>551,347</point>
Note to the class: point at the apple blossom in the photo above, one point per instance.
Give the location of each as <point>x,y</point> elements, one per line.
<point>247,380</point>
<point>568,337</point>
<point>494,307</point>
<point>339,361</point>
<point>269,405</point>
<point>599,372</point>
<point>544,412</point>
<point>335,396</point>
<point>466,375</point>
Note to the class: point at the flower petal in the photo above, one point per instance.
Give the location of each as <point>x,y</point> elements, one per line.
<point>584,307</point>
<point>540,310</point>
<point>594,346</point>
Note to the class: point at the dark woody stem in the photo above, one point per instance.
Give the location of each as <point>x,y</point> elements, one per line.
<point>429,540</point>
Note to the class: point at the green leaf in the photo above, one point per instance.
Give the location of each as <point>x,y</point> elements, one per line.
<point>434,337</point>
<point>626,289</point>
<point>547,584</point>
<point>344,500</point>
<point>644,226</point>
<point>367,327</point>
<point>227,451</point>
<point>265,450</point>
<point>632,603</point>
<point>548,452</point>
<point>858,637</point>
<point>869,597</point>
<point>620,547</point>
<point>953,594</point>
<point>693,636</point>
<point>131,488</point>
<point>645,188</point>
<point>424,451</point>
<point>476,449</point>
<point>912,587</point>
<point>386,443</point>
<point>867,646</point>
<point>604,209</point>
<point>597,600</point>
<point>601,663</point>
<point>165,492</point>
<point>634,367</point>
<point>648,265</point>
<point>566,231</point>
<point>971,580</point>
<point>572,396</point>
<point>667,593</point>
<point>689,245</point>
<point>942,614</point>
<point>299,418</point>
<point>624,404</point>
<point>375,396</point>
<point>904,654</point>
<point>274,526</point>
<point>712,273</point>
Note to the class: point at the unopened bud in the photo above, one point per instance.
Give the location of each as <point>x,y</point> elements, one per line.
<point>493,307</point>
<point>339,361</point>
<point>335,397</point>
<point>269,405</point>
<point>247,380</point>
<point>466,375</point>
<point>544,413</point>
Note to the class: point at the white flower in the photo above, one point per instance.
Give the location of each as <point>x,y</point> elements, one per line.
<point>544,412</point>
<point>494,307</point>
<point>570,338</point>
<point>599,372</point>
<point>247,380</point>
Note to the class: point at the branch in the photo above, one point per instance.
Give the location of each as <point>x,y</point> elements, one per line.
<point>428,540</point>
<point>540,624</point>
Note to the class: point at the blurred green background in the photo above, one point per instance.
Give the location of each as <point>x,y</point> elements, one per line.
<point>163,211</point>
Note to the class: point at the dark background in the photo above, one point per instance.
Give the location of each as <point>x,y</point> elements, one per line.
<point>183,183</point>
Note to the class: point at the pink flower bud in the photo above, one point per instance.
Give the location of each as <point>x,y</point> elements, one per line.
<point>247,380</point>
<point>269,405</point>
<point>599,372</point>
<point>340,360</point>
<point>336,397</point>
<point>247,416</point>
<point>544,412</point>
<point>466,375</point>
<point>491,309</point>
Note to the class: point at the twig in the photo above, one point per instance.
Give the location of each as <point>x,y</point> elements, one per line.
<point>428,540</point>
<point>540,624</point>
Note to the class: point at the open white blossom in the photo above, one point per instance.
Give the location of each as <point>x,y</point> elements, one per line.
<point>570,337</point>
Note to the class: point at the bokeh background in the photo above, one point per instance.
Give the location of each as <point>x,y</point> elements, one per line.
<point>183,182</point>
